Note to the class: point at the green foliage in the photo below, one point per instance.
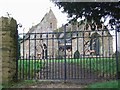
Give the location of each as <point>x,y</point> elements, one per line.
<point>91,10</point>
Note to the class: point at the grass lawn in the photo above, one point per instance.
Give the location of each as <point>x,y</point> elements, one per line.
<point>108,84</point>
<point>102,65</point>
<point>28,68</point>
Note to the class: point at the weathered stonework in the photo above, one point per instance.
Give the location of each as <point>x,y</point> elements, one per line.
<point>102,45</point>
<point>0,60</point>
<point>47,24</point>
<point>105,42</point>
<point>8,48</point>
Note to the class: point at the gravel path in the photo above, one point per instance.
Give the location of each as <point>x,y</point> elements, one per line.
<point>57,85</point>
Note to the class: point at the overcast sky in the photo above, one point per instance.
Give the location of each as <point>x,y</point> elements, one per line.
<point>30,12</point>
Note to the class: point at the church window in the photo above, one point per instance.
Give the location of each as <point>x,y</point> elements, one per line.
<point>40,35</point>
<point>50,25</point>
<point>95,44</point>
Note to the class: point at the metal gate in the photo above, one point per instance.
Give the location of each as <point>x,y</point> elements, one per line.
<point>67,55</point>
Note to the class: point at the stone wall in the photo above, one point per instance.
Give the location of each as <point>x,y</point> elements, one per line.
<point>0,61</point>
<point>105,45</point>
<point>8,48</point>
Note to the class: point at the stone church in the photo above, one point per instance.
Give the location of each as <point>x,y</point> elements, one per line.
<point>37,39</point>
<point>87,41</point>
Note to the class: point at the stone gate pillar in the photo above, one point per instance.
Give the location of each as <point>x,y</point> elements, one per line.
<point>8,48</point>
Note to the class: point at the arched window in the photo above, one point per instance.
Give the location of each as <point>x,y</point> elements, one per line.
<point>44,56</point>
<point>51,25</point>
<point>95,43</point>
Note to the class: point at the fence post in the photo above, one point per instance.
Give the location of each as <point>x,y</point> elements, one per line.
<point>118,54</point>
<point>8,48</point>
<point>64,28</point>
<point>18,50</point>
<point>117,71</point>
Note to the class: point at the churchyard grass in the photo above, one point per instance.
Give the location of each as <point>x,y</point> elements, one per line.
<point>100,65</point>
<point>28,68</point>
<point>105,85</point>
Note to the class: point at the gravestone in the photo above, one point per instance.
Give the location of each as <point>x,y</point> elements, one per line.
<point>76,54</point>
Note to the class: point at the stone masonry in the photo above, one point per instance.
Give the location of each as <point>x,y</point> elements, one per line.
<point>8,48</point>
<point>47,25</point>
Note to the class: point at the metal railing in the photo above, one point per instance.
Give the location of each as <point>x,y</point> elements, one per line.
<point>76,55</point>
